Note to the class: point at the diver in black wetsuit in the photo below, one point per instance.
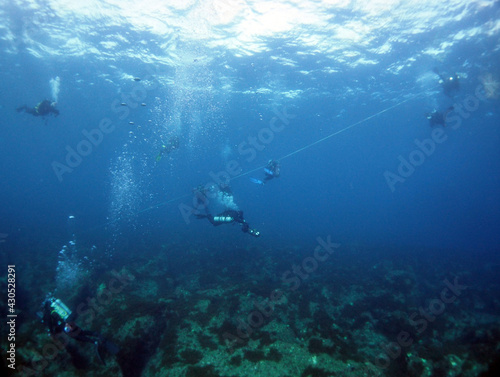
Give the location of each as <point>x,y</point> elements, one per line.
<point>173,143</point>
<point>437,118</point>
<point>272,170</point>
<point>228,216</point>
<point>59,319</point>
<point>451,83</point>
<point>45,107</point>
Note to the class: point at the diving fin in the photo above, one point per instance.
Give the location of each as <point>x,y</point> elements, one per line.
<point>99,349</point>
<point>105,345</point>
<point>111,347</point>
<point>255,180</point>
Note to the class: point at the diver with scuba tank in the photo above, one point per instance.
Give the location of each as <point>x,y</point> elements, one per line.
<point>271,170</point>
<point>59,319</point>
<point>224,196</point>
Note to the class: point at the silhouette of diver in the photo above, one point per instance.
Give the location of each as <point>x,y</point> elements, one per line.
<point>229,215</point>
<point>59,320</point>
<point>43,108</point>
<point>173,143</point>
<point>272,170</point>
<point>437,118</point>
<point>450,84</point>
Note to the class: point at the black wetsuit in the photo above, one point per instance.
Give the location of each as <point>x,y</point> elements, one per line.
<point>437,118</point>
<point>58,325</point>
<point>43,108</point>
<point>272,170</point>
<point>172,144</point>
<point>451,84</point>
<point>230,216</point>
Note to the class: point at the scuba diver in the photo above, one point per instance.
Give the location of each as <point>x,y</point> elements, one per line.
<point>231,215</point>
<point>437,118</point>
<point>272,170</point>
<point>59,319</point>
<point>451,84</point>
<point>173,143</point>
<point>43,108</point>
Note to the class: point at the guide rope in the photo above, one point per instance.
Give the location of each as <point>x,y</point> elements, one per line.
<point>301,149</point>
<point>296,151</point>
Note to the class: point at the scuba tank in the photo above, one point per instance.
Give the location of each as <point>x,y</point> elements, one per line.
<point>223,219</point>
<point>60,309</point>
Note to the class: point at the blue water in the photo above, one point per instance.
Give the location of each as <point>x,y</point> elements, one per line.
<point>215,88</point>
